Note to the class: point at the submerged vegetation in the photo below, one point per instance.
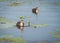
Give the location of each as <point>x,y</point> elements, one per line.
<point>14,40</point>
<point>57,28</point>
<point>23,17</point>
<point>3,20</point>
<point>42,41</point>
<point>2,0</point>
<point>39,25</point>
<point>57,3</point>
<point>15,4</point>
<point>5,23</point>
<point>56,36</point>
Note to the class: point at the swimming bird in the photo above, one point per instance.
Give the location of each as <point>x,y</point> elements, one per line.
<point>20,25</point>
<point>35,10</point>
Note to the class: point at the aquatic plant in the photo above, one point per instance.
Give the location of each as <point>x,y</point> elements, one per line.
<point>15,4</point>
<point>56,36</point>
<point>5,23</point>
<point>28,22</point>
<point>42,42</point>
<point>57,28</point>
<point>56,3</point>
<point>14,40</point>
<point>2,0</point>
<point>56,42</point>
<point>23,17</point>
<point>39,25</point>
<point>18,40</point>
<point>3,20</point>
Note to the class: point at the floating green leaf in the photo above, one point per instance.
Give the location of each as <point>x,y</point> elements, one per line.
<point>23,17</point>
<point>14,40</point>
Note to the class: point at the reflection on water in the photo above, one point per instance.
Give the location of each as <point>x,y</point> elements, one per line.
<point>22,28</point>
<point>48,14</point>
